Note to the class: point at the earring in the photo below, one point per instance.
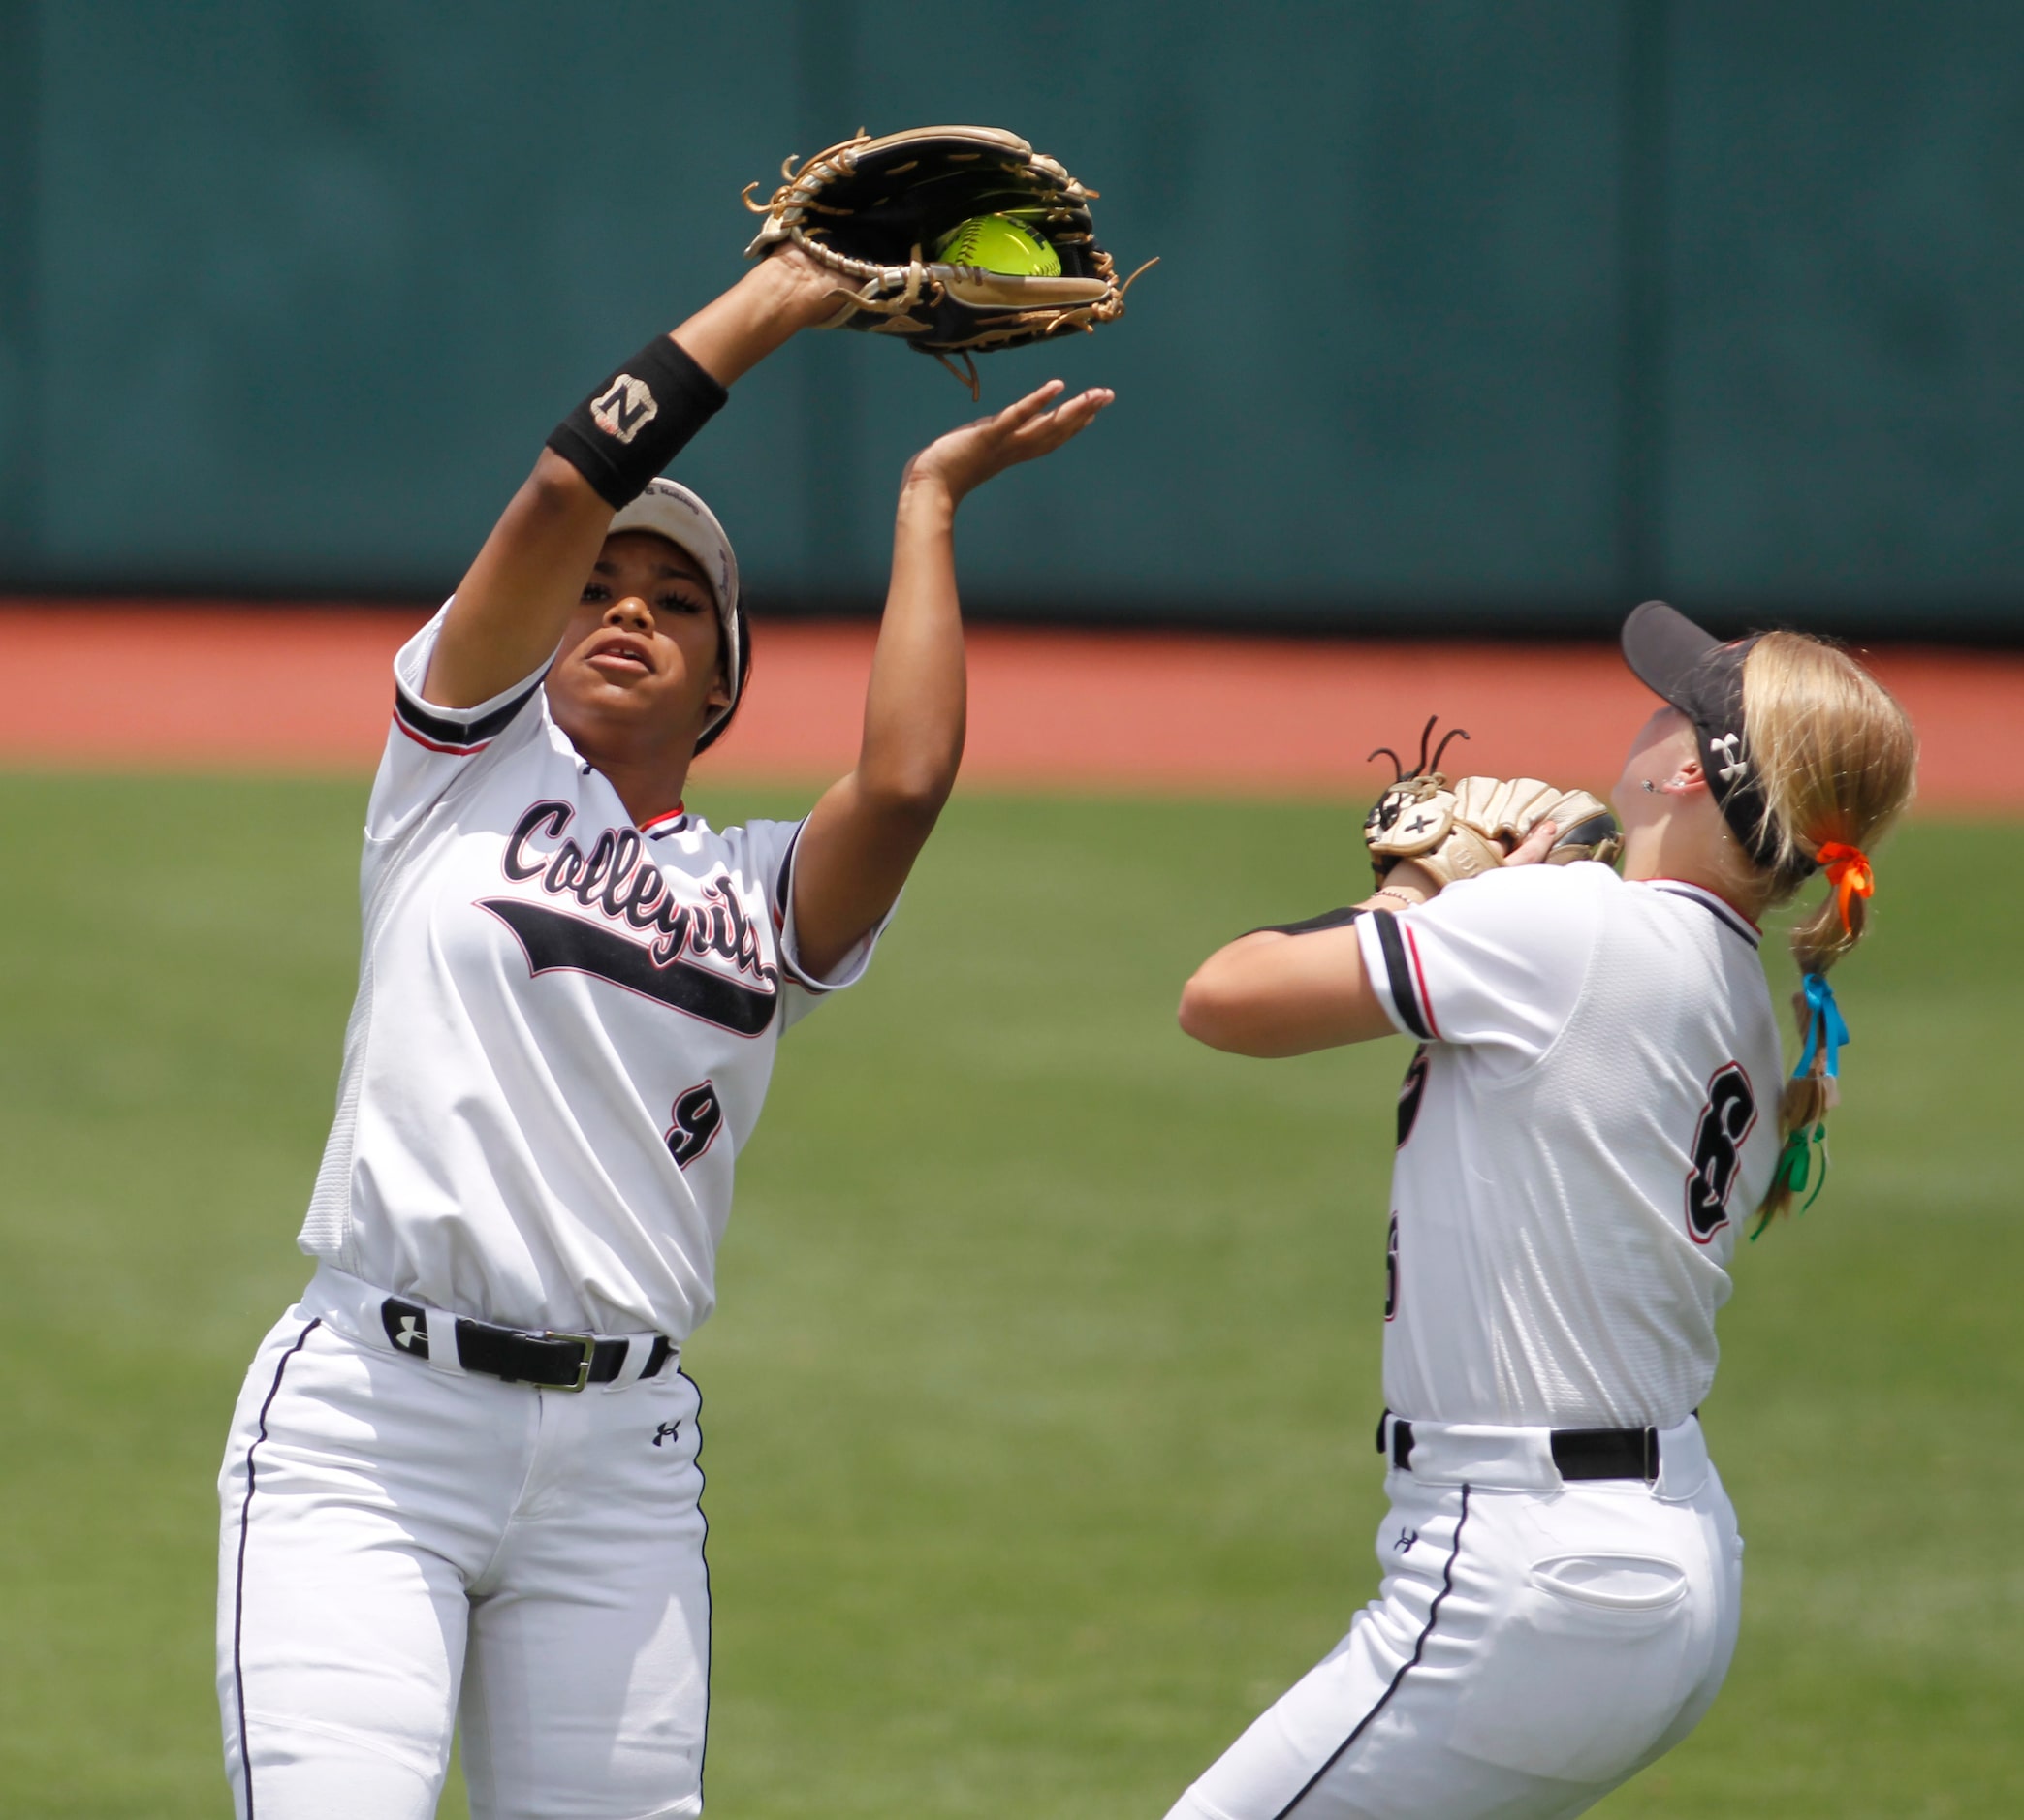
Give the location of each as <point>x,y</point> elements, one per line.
<point>1651,786</point>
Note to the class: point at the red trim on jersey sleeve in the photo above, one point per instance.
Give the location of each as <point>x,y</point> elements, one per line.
<point>453,751</point>
<point>447,730</point>
<point>1419,971</point>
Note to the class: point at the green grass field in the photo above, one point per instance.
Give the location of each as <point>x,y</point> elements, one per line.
<point>1038,1408</point>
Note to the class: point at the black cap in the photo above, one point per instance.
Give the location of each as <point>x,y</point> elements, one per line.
<point>1703,679</point>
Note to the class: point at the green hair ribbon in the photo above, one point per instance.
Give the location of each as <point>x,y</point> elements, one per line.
<point>1796,1169</point>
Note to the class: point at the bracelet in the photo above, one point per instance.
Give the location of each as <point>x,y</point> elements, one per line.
<point>1386,891</point>
<point>637,421</point>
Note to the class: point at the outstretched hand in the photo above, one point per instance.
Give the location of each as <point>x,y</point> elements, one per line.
<point>1035,426</point>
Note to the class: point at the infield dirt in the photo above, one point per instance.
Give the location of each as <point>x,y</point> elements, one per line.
<point>306,690</point>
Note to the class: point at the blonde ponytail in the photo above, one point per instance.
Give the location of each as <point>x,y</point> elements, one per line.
<point>1838,758</point>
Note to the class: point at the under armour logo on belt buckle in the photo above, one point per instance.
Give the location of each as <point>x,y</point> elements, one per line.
<point>410,1332</point>
<point>1731,747</point>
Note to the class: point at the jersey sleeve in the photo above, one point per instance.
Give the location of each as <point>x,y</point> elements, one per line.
<point>774,846</point>
<point>1496,961</point>
<point>429,748</point>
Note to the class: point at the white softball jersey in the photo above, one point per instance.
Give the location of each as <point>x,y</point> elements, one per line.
<point>563,1032</point>
<point>1579,1139</point>
<point>1591,1114</point>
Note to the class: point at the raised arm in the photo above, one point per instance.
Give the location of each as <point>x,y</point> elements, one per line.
<point>1293,989</point>
<point>863,837</point>
<point>511,605</point>
<point>1273,993</point>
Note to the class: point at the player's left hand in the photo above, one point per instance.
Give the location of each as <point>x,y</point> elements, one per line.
<point>1410,878</point>
<point>804,293</point>
<point>1536,846</point>
<point>964,458</point>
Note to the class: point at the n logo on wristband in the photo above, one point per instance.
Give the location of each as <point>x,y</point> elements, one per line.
<point>627,406</point>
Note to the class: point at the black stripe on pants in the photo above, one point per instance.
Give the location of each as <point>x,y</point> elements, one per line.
<point>238,1590</point>
<point>1448,1586</point>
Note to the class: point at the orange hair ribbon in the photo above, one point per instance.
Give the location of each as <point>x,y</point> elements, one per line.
<point>1849,871</point>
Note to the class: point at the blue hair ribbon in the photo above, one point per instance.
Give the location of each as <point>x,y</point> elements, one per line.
<point>1823,1024</point>
<point>1825,1034</point>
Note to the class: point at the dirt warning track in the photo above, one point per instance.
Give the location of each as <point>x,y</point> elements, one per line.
<point>132,686</point>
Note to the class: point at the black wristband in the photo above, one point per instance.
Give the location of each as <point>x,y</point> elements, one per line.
<point>637,421</point>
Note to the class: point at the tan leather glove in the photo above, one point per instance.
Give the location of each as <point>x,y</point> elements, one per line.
<point>1466,828</point>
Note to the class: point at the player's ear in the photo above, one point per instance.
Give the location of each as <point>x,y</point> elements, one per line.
<point>1688,778</point>
<point>720,695</point>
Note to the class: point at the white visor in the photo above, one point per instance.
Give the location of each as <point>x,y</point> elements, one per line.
<point>670,509</point>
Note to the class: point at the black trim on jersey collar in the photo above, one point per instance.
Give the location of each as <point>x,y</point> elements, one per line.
<point>1708,901</point>
<point>461,736</point>
<point>1397,967</point>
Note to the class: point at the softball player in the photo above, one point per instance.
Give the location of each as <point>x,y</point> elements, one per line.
<point>462,1471</point>
<point>1593,1107</point>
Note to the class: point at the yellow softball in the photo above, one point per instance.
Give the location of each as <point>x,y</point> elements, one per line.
<point>998,243</point>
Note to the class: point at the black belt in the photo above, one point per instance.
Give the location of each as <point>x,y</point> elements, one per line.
<point>1578,1452</point>
<point>557,1362</point>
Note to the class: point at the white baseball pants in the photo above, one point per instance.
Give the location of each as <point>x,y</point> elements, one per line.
<point>1534,1645</point>
<point>400,1542</point>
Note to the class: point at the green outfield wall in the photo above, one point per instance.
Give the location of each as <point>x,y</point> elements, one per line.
<point>1505,312</point>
